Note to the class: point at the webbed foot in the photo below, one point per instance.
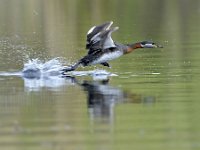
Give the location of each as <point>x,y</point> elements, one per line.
<point>106,64</point>
<point>67,69</point>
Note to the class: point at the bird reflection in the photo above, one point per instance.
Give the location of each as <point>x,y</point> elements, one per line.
<point>102,97</point>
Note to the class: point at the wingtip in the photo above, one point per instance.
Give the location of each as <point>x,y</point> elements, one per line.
<point>116,28</point>
<point>91,29</point>
<point>109,25</point>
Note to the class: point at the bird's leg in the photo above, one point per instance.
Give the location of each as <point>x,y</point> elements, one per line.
<point>71,68</point>
<point>106,64</point>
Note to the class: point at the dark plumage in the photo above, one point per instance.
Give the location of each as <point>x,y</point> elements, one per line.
<point>101,48</point>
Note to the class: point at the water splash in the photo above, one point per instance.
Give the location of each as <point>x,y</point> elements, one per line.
<point>35,68</point>
<point>38,74</point>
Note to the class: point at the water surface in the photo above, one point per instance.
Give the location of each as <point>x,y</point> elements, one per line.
<point>148,99</point>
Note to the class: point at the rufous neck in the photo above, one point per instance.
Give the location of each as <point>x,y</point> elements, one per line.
<point>132,47</point>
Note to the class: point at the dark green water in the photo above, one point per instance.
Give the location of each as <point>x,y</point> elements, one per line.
<point>152,104</point>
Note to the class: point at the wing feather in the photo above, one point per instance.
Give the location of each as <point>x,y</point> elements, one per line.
<point>96,29</point>
<point>99,37</point>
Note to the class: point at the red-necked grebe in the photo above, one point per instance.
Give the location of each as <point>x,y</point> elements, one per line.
<point>101,48</point>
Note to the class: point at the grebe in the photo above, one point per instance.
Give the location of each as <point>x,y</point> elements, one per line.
<point>101,48</point>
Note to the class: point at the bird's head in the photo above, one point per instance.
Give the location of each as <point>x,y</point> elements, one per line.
<point>149,44</point>
<point>143,44</point>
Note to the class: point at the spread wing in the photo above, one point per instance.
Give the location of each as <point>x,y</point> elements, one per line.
<point>99,37</point>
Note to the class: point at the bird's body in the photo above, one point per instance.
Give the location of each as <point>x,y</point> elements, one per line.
<point>107,57</point>
<point>102,56</point>
<point>101,48</point>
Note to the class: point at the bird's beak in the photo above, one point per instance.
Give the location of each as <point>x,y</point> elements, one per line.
<point>152,45</point>
<point>158,46</point>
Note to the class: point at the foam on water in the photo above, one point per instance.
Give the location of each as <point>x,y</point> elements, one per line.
<point>53,67</point>
<point>38,74</point>
<point>3,73</point>
<point>37,68</point>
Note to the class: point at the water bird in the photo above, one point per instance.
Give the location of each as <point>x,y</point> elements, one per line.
<point>101,48</point>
